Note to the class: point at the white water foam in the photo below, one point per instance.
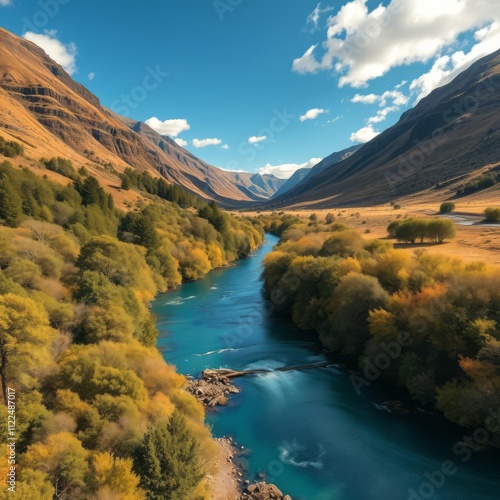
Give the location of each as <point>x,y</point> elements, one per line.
<point>179,301</point>
<point>301,456</point>
<point>218,351</point>
<point>265,364</point>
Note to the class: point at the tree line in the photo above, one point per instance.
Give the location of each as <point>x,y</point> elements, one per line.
<point>100,414</point>
<point>363,295</point>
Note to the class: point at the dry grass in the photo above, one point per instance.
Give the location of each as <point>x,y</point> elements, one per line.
<point>471,244</point>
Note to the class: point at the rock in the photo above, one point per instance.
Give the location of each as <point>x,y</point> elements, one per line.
<point>264,491</point>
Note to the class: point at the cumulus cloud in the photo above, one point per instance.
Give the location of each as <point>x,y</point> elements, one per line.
<point>181,142</point>
<point>363,44</point>
<point>447,67</point>
<point>224,146</point>
<point>286,170</point>
<point>62,53</point>
<point>203,143</point>
<point>4,3</point>
<point>256,139</point>
<point>364,134</point>
<point>312,114</point>
<point>389,102</point>
<point>172,128</point>
<point>91,76</point>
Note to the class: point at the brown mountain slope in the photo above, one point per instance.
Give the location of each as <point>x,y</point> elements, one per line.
<point>55,116</point>
<point>450,136</point>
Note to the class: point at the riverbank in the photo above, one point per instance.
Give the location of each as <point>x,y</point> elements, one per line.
<point>230,482</point>
<point>225,485</point>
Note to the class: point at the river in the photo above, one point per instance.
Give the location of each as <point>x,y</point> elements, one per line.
<point>309,431</point>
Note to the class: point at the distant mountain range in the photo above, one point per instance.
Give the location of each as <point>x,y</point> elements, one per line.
<point>451,137</point>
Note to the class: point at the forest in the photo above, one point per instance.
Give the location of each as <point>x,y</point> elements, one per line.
<point>363,297</point>
<point>99,413</point>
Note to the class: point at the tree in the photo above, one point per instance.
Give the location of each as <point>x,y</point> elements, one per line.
<point>447,207</point>
<point>64,460</point>
<point>393,227</point>
<point>91,191</point>
<point>112,474</point>
<point>441,229</point>
<point>25,338</point>
<point>313,218</point>
<point>125,182</point>
<point>11,203</point>
<point>167,461</point>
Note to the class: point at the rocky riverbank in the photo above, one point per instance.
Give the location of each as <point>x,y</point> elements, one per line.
<point>213,388</point>
<point>230,482</point>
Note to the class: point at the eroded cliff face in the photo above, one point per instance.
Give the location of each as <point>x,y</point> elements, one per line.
<point>54,115</point>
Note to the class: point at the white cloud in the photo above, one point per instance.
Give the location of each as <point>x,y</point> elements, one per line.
<point>61,53</point>
<point>224,146</point>
<point>389,102</point>
<point>203,143</point>
<point>256,139</point>
<point>365,99</point>
<point>382,114</point>
<point>312,114</point>
<point>286,170</point>
<point>396,97</point>
<point>447,67</point>
<point>314,17</point>
<point>362,45</point>
<point>4,3</point>
<point>181,142</point>
<point>364,134</point>
<point>91,76</point>
<point>172,128</point>
<point>335,119</point>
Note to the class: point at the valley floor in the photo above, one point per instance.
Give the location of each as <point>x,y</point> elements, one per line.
<point>472,243</point>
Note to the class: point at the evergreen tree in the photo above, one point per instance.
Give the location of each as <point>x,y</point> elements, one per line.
<point>125,182</point>
<point>11,203</point>
<point>167,461</point>
<point>146,231</point>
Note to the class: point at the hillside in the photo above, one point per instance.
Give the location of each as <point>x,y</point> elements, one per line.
<point>450,138</point>
<point>53,115</point>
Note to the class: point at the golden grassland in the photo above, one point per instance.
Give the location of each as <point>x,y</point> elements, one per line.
<point>472,243</point>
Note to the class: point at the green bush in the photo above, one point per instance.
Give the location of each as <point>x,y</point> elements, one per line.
<point>10,149</point>
<point>447,207</point>
<point>492,215</point>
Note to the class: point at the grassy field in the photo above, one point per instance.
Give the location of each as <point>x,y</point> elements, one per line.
<point>473,242</point>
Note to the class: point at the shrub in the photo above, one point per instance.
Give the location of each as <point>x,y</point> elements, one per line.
<point>447,207</point>
<point>492,215</point>
<point>10,149</point>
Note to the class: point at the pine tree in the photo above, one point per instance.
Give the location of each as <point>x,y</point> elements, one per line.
<point>167,461</point>
<point>11,203</point>
<point>125,182</point>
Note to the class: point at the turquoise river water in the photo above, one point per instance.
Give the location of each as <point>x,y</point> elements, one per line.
<point>309,431</point>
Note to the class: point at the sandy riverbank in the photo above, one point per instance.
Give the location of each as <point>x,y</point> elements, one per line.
<point>226,485</point>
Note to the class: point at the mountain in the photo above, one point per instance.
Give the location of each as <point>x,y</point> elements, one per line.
<point>52,115</point>
<point>263,186</point>
<point>290,183</point>
<point>449,138</point>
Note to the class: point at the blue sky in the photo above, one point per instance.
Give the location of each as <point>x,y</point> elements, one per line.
<point>260,85</point>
